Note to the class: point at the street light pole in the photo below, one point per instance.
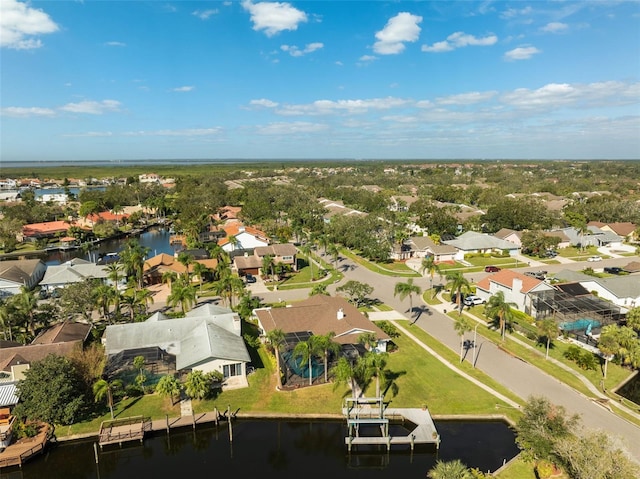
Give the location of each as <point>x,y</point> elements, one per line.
<point>475,345</point>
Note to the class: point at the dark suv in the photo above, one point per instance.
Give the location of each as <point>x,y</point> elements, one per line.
<point>250,278</point>
<point>612,270</point>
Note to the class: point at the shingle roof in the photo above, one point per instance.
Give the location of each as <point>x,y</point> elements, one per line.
<point>18,271</point>
<point>505,278</point>
<point>472,240</point>
<point>205,333</point>
<point>319,315</point>
<point>73,273</point>
<point>63,332</point>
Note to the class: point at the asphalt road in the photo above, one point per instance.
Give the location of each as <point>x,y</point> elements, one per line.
<point>516,375</point>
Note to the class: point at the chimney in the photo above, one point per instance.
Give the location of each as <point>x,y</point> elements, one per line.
<point>340,314</point>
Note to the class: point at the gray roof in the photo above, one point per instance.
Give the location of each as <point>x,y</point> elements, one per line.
<point>566,275</point>
<point>595,236</point>
<point>205,333</point>
<point>18,270</point>
<point>74,272</point>
<point>627,286</point>
<point>471,240</point>
<point>8,394</point>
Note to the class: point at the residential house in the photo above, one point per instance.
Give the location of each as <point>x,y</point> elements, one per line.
<point>515,287</point>
<point>209,338</point>
<point>422,246</point>
<point>155,267</point>
<point>61,339</point>
<point>473,242</point>
<point>320,315</point>
<point>623,291</point>
<point>239,238</point>
<point>48,229</point>
<point>337,208</point>
<point>284,253</point>
<point>625,230</point>
<point>75,270</point>
<point>594,236</point>
<point>510,235</point>
<point>106,216</point>
<point>17,273</point>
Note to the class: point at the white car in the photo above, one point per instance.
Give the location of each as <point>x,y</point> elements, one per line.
<point>594,258</point>
<point>473,300</point>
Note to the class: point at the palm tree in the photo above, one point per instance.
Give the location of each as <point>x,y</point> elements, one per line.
<point>113,274</point>
<point>449,470</point>
<point>276,339</point>
<point>318,288</point>
<point>145,298</point>
<point>346,372</point>
<point>608,346</point>
<point>200,270</point>
<point>169,385</point>
<point>7,313</point>
<point>369,340</point>
<point>376,364</point>
<point>456,282</point>
<point>327,345</point>
<point>547,328</point>
<point>306,351</point>
<point>334,251</point>
<point>267,265</point>
<point>133,258</point>
<point>306,250</point>
<point>407,289</point>
<point>497,307</point>
<point>186,260</point>
<point>182,294</point>
<point>462,325</point>
<point>27,304</point>
<point>169,277</point>
<point>430,266</point>
<point>103,388</point>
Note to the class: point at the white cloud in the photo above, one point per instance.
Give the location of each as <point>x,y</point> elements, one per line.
<point>326,107</point>
<point>183,88</point>
<point>291,128</point>
<point>274,17</point>
<point>294,51</point>
<point>467,98</point>
<point>398,30</point>
<point>205,14</point>
<point>514,12</point>
<point>189,132</point>
<point>521,53</point>
<point>459,40</point>
<point>92,107</point>
<point>367,58</point>
<point>555,27</point>
<point>19,23</point>
<point>115,44</point>
<point>26,112</point>
<point>264,103</point>
<point>90,134</point>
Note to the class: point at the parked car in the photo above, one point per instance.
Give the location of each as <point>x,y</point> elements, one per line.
<point>551,253</point>
<point>250,278</point>
<point>473,300</point>
<point>594,258</point>
<point>613,270</point>
<point>491,269</point>
<point>541,275</point>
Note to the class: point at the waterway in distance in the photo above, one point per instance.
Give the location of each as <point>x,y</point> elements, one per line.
<point>271,448</point>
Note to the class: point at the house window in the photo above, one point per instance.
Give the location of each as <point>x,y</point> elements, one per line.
<point>287,258</point>
<point>232,370</point>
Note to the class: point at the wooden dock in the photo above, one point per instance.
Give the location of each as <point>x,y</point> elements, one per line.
<point>128,429</point>
<point>371,412</point>
<point>18,452</point>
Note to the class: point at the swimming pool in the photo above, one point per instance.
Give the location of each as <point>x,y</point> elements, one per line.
<point>580,324</point>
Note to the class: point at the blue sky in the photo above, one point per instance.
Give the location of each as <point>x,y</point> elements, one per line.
<point>325,79</point>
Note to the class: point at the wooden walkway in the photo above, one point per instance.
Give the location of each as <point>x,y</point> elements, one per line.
<point>118,431</point>
<point>370,412</point>
<point>18,452</point>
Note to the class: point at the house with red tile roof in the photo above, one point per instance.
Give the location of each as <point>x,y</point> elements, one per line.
<point>48,229</point>
<point>515,286</point>
<point>94,218</point>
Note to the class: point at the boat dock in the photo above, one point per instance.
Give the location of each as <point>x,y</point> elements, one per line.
<point>118,431</point>
<point>372,412</point>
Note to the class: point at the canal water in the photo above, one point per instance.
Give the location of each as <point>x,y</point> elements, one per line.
<point>271,448</point>
<point>155,238</point>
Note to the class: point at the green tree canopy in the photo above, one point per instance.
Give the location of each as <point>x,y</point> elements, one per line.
<point>52,391</point>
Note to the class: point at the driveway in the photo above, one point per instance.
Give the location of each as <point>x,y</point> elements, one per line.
<point>513,373</point>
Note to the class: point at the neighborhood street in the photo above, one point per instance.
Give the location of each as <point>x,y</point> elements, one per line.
<point>513,373</point>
